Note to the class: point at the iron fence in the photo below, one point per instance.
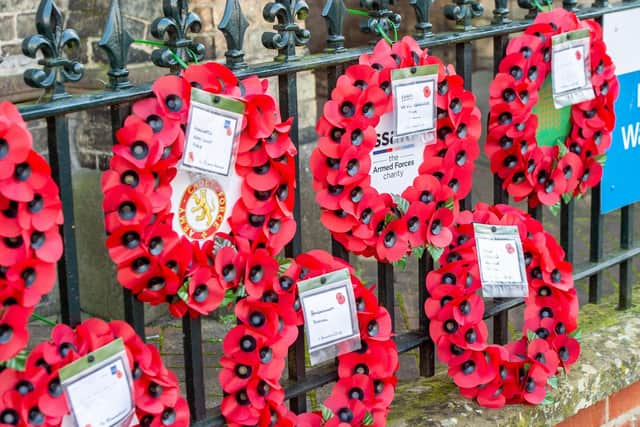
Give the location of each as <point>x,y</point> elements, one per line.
<point>175,28</point>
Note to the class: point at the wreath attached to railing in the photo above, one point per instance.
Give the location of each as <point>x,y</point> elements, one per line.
<point>546,169</point>
<point>30,242</point>
<point>35,396</point>
<point>153,261</point>
<point>390,227</point>
<point>256,349</point>
<point>521,371</point>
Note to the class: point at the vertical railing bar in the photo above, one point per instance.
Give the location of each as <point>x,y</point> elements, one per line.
<point>60,160</point>
<point>464,67</point>
<point>386,290</point>
<point>133,308</point>
<point>427,359</point>
<point>288,96</point>
<point>193,366</point>
<point>626,240</point>
<point>566,228</point>
<point>595,245</point>
<point>535,212</point>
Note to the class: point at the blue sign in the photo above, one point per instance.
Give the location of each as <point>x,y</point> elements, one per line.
<point>619,183</point>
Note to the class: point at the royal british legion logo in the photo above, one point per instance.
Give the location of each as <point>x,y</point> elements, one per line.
<point>202,209</point>
<point>227,127</point>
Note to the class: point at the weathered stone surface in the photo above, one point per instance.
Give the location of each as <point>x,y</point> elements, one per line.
<point>7,28</point>
<point>609,361</point>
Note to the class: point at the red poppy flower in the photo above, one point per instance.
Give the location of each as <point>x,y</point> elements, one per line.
<point>33,278</point>
<point>439,234</point>
<point>393,241</point>
<point>26,179</point>
<point>125,206</point>
<point>205,291</point>
<point>211,77</point>
<point>136,143</point>
<point>153,397</point>
<point>175,416</point>
<point>347,411</point>
<point>238,407</point>
<point>165,129</point>
<point>13,330</point>
<point>173,94</point>
<point>15,139</point>
<point>43,211</point>
<point>259,273</point>
<point>375,325</point>
<point>568,350</point>
<point>377,359</point>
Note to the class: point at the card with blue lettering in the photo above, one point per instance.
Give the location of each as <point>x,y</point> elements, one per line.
<point>213,129</point>
<point>329,309</point>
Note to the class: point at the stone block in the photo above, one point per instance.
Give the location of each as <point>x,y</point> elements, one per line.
<point>100,292</point>
<point>22,5</point>
<point>626,400</point>
<point>26,24</point>
<point>7,28</point>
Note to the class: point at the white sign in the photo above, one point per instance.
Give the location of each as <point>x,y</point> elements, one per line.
<point>568,69</point>
<point>99,388</point>
<point>500,261</point>
<point>329,310</point>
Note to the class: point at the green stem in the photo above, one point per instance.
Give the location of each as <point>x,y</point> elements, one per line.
<point>383,34</point>
<point>149,42</point>
<point>193,56</point>
<point>179,60</point>
<point>395,32</point>
<point>537,4</point>
<point>358,12</point>
<point>43,319</point>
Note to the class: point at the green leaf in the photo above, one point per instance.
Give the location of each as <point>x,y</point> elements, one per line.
<point>401,263</point>
<point>548,400</point>
<point>283,264</point>
<point>229,297</point>
<point>562,149</point>
<point>327,413</point>
<point>449,204</point>
<point>553,382</point>
<point>389,218</point>
<point>228,319</point>
<point>402,203</point>
<point>242,291</point>
<point>18,362</point>
<point>418,251</point>
<point>531,335</point>
<point>368,419</point>
<point>602,159</point>
<point>567,197</point>
<point>554,209</point>
<point>577,334</point>
<point>435,252</point>
<point>183,291</point>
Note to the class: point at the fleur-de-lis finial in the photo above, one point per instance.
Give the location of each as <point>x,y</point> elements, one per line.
<point>234,25</point>
<point>173,28</point>
<point>463,12</point>
<point>528,5</point>
<point>289,34</point>
<point>52,39</point>
<point>334,12</point>
<point>115,42</point>
<point>380,16</point>
<point>422,9</point>
<point>500,13</point>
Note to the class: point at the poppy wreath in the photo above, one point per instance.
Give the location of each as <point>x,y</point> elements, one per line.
<point>545,174</point>
<point>153,261</point>
<point>255,352</point>
<point>34,396</point>
<point>364,221</point>
<point>30,241</point>
<point>521,371</point>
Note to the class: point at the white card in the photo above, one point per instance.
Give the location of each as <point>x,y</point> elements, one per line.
<point>568,69</point>
<point>394,163</point>
<point>414,96</point>
<point>329,310</point>
<point>571,68</point>
<point>212,131</point>
<point>99,388</point>
<point>201,204</point>
<point>501,261</point>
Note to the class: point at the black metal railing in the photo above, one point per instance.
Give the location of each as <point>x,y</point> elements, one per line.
<point>175,28</point>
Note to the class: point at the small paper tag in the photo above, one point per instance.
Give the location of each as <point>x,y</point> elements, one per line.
<point>570,68</point>
<point>99,388</point>
<point>501,261</point>
<point>403,133</point>
<point>329,309</point>
<point>212,131</point>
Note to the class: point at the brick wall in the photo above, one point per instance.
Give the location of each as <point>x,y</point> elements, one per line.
<point>621,409</point>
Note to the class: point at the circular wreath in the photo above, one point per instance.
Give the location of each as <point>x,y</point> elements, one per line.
<point>362,220</point>
<point>34,396</point>
<point>30,242</point>
<point>153,261</point>
<point>520,371</point>
<point>256,349</point>
<point>569,168</point>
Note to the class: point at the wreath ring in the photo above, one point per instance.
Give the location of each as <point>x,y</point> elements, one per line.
<point>30,241</point>
<point>521,371</point>
<point>362,220</point>
<point>34,396</point>
<point>545,174</point>
<point>153,261</point>
<point>255,351</point>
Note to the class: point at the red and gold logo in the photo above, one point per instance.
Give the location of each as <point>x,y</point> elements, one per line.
<point>202,209</point>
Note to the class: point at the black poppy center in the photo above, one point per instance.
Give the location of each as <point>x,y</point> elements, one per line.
<point>127,210</point>
<point>256,273</point>
<point>4,148</point>
<point>468,367</point>
<point>155,390</point>
<point>168,416</point>
<point>347,109</point>
<point>141,265</point>
<point>9,416</point>
<point>173,103</point>
<point>247,343</point>
<point>22,172</point>
<point>345,415</point>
